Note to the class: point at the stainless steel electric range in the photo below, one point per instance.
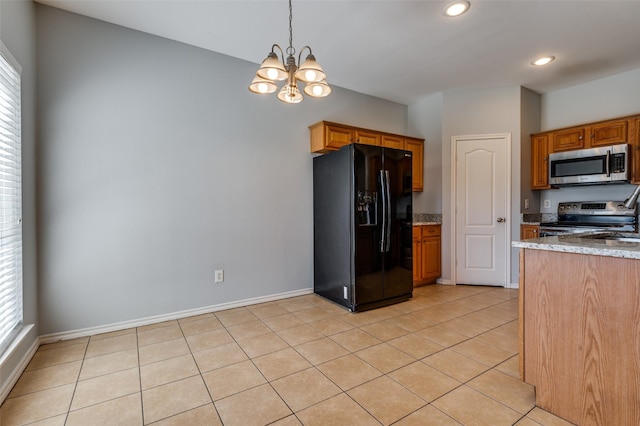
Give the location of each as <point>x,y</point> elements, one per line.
<point>591,216</point>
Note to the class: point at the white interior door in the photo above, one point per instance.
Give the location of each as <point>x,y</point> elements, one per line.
<point>481,225</point>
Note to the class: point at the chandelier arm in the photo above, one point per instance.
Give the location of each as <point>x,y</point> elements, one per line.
<point>280,49</point>
<point>302,50</point>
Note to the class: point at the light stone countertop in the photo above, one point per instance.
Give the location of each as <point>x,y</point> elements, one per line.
<point>583,244</point>
<point>426,223</point>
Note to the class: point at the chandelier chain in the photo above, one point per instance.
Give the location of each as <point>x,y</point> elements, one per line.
<point>291,50</point>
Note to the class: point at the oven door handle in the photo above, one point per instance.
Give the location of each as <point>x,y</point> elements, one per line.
<point>608,163</point>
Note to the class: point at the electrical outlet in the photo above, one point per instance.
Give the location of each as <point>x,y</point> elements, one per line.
<point>219,276</point>
<point>526,203</point>
<point>547,204</point>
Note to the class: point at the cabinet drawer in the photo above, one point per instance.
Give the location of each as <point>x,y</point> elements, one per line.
<point>431,230</point>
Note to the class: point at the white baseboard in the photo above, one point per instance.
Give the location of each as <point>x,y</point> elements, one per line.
<point>84,332</point>
<point>12,378</point>
<point>444,281</point>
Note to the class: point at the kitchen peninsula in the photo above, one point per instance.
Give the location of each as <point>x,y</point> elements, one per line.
<point>580,326</point>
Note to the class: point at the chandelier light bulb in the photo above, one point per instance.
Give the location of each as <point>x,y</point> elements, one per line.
<point>272,73</point>
<point>310,75</point>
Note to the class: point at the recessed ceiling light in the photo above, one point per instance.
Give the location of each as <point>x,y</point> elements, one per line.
<point>456,8</point>
<point>543,60</point>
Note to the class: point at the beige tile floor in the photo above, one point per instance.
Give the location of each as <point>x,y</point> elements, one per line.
<point>449,356</point>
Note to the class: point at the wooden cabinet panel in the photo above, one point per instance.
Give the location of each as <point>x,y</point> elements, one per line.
<point>426,254</point>
<point>540,162</point>
<point>417,254</point>
<point>609,133</point>
<point>416,146</point>
<point>389,141</point>
<point>603,133</point>
<point>579,335</point>
<point>337,137</point>
<point>529,231</point>
<point>327,137</point>
<point>635,146</point>
<point>368,138</point>
<point>567,140</point>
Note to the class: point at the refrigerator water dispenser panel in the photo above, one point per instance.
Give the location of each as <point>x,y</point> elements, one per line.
<point>367,208</point>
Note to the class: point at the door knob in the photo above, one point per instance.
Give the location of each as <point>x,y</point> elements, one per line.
<point>501,219</point>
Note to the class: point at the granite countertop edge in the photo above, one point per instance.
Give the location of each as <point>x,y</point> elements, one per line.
<point>578,245</point>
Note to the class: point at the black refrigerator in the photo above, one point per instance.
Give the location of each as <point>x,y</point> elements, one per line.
<point>361,204</point>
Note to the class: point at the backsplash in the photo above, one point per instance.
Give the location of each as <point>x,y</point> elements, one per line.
<point>427,218</point>
<point>539,217</point>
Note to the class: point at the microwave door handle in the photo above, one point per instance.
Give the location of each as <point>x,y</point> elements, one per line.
<point>608,163</point>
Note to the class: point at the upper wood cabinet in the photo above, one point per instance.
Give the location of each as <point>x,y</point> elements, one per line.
<point>416,146</point>
<point>540,162</point>
<point>609,133</point>
<point>635,146</point>
<point>327,136</point>
<point>367,137</point>
<point>602,133</point>
<point>567,140</point>
<point>391,141</point>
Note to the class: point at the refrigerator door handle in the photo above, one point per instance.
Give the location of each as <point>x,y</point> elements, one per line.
<point>387,213</point>
<point>383,234</point>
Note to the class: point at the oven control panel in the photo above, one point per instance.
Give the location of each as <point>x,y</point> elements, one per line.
<point>595,208</point>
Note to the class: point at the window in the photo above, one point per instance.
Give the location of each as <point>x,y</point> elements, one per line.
<point>10,199</point>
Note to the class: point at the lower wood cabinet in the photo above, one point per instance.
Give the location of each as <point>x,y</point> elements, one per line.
<point>426,254</point>
<point>529,231</point>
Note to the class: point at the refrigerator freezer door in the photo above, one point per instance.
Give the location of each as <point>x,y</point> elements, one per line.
<point>333,223</point>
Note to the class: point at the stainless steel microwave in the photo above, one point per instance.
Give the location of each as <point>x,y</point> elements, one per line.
<point>607,164</point>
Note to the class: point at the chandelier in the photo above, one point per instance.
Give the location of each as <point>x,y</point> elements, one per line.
<point>273,69</point>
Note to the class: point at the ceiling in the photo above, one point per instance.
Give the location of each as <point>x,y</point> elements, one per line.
<point>403,50</point>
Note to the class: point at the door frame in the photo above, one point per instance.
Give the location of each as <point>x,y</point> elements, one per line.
<point>454,169</point>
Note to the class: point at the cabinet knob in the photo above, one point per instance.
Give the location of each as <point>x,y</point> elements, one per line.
<point>580,138</point>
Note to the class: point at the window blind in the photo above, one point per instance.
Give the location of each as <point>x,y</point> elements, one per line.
<point>10,199</point>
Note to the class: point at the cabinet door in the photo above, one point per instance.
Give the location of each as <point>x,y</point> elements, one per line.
<point>389,141</point>
<point>540,162</point>
<point>368,138</point>
<point>417,254</point>
<point>529,231</point>
<point>567,140</point>
<point>416,146</point>
<point>635,147</point>
<point>336,137</point>
<point>609,133</point>
<point>430,260</point>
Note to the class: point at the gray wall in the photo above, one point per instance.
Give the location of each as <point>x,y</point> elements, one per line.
<point>425,119</point>
<point>158,166</point>
<point>530,123</point>
<point>476,112</point>
<point>17,32</point>
<point>602,99</point>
